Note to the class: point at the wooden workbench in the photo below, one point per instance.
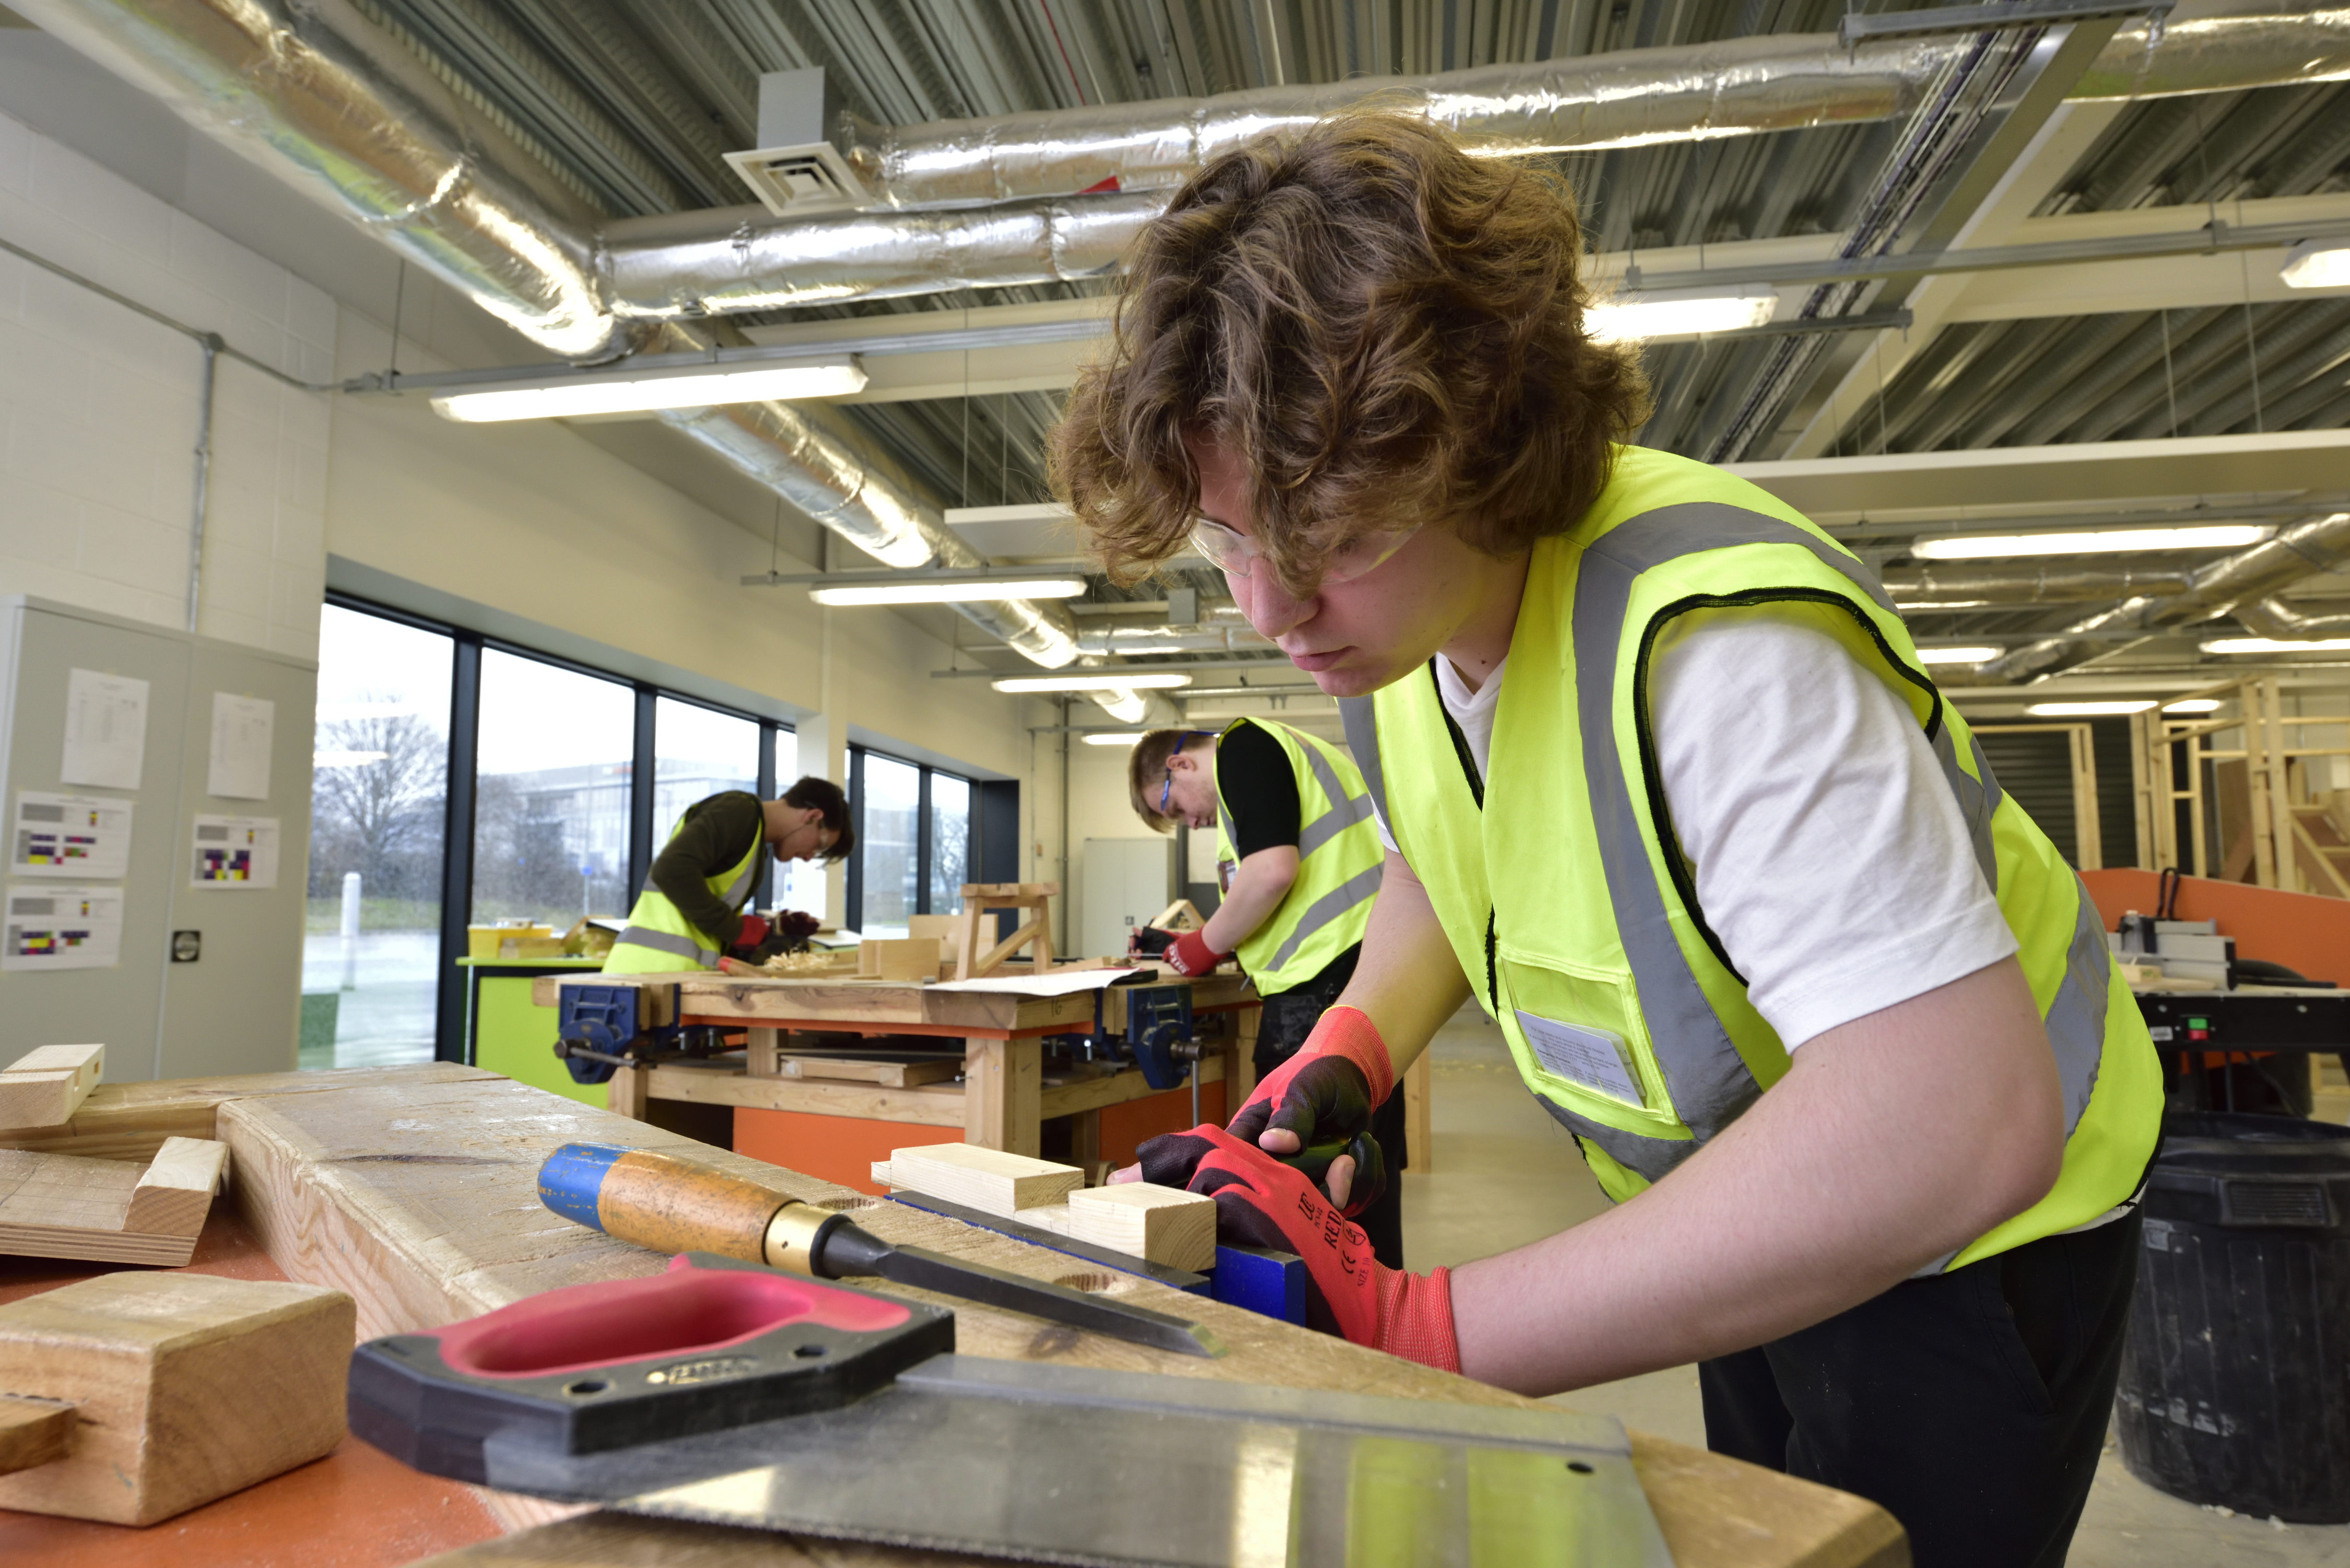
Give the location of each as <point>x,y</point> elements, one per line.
<point>1003,1098</point>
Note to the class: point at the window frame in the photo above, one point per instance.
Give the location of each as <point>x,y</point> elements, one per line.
<point>466,648</point>
<point>925,832</point>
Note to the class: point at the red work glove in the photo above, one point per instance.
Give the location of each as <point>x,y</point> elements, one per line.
<point>754,932</point>
<point>1262,1202</point>
<point>1193,955</point>
<point>1325,1095</point>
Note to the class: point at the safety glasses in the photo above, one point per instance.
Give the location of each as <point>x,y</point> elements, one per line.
<point>1234,553</point>
<point>1167,788</point>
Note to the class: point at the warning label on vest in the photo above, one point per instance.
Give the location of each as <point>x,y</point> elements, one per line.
<point>1592,1057</point>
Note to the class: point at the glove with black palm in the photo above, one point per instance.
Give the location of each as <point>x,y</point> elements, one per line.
<point>1317,1105</point>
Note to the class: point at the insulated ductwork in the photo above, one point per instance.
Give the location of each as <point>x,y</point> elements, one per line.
<point>1739,87</point>
<point>741,258</point>
<point>2246,577</point>
<point>1922,587</point>
<point>1224,631</point>
<point>2274,618</point>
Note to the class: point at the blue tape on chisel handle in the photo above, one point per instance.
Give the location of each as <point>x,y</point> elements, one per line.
<point>573,1179</point>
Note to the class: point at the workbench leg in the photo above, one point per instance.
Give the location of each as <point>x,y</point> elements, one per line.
<point>1239,1085</point>
<point>762,1054</point>
<point>1419,1140</point>
<point>630,1092</point>
<point>1002,1095</point>
<point>1085,1144</point>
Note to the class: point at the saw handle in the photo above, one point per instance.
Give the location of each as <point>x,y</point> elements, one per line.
<point>674,1205</point>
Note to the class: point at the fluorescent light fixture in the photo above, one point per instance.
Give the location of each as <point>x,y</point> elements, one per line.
<point>2317,263</point>
<point>1959,654</point>
<point>1114,737</point>
<point>1097,680</point>
<point>951,593</point>
<point>1681,312</point>
<point>622,391</point>
<point>2277,645</point>
<point>2088,709</point>
<point>2192,705</point>
<point>2091,542</point>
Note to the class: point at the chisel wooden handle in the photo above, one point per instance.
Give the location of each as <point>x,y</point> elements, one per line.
<point>677,1206</point>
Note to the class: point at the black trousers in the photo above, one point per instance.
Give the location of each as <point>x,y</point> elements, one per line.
<point>1972,1405</point>
<point>1288,1019</point>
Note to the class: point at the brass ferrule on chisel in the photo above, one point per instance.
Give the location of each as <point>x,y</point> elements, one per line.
<point>796,1237</point>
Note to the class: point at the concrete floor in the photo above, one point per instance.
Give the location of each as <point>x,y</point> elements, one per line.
<point>1507,1175</point>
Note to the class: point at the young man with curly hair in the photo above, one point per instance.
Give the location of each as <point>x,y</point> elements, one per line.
<point>1666,787</point>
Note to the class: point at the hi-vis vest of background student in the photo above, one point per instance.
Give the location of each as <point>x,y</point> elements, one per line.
<point>1573,912</point>
<point>661,939</point>
<point>1338,861</point>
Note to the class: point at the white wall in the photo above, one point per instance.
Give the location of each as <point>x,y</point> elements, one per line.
<point>98,406</point>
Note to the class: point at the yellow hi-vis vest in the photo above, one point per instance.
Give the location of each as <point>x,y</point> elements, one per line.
<point>1338,861</point>
<point>1574,913</point>
<point>659,939</point>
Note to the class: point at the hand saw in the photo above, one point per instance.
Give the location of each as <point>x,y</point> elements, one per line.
<point>727,1392</point>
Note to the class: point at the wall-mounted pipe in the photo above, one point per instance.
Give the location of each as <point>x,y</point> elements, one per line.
<point>2245,577</point>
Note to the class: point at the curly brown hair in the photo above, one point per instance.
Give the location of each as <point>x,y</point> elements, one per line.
<point>1386,330</point>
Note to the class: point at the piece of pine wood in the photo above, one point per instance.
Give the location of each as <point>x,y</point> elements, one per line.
<point>45,1088</point>
<point>1032,900</point>
<point>176,1191</point>
<point>422,1200</point>
<point>903,1073</point>
<point>62,1205</point>
<point>987,1179</point>
<point>1160,1224</point>
<point>185,1386</point>
<point>131,1121</point>
<point>1053,1217</point>
<point>33,1432</point>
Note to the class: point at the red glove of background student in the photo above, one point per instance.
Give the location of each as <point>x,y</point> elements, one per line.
<point>1191,954</point>
<point>1262,1202</point>
<point>754,932</point>
<point>1322,1098</point>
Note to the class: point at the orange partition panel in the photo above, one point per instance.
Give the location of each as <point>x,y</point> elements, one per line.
<point>1123,1127</point>
<point>2306,933</point>
<point>836,1148</point>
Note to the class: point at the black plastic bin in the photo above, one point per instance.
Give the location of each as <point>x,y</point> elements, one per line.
<point>2235,1385</point>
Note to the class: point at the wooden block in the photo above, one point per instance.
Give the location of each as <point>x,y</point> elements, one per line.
<point>909,959</point>
<point>185,1388</point>
<point>906,1073</point>
<point>1160,1224</point>
<point>176,1193</point>
<point>33,1432</point>
<point>44,1088</point>
<point>1053,1217</point>
<point>988,1179</point>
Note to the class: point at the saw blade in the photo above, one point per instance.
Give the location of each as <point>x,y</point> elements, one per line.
<point>1110,1469</point>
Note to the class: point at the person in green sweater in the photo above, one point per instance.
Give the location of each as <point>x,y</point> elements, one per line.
<point>689,913</point>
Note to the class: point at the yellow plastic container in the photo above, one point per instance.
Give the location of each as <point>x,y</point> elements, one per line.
<point>482,942</point>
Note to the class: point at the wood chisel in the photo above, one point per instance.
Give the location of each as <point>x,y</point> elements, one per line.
<point>674,1205</point>
<point>728,1392</point>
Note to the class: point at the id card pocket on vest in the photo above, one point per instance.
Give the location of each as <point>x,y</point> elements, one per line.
<point>1595,1058</point>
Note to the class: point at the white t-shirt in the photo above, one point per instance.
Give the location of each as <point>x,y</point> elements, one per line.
<point>1829,854</point>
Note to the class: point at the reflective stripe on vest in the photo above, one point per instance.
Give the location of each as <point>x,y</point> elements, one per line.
<point>1338,863</point>
<point>658,927</point>
<point>1694,1036</point>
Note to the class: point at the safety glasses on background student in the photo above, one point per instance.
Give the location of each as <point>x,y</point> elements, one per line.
<point>1234,553</point>
<point>1169,787</point>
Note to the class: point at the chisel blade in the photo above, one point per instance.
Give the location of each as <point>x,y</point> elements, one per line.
<point>922,1270</point>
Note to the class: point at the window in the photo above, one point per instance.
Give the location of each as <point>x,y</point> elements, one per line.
<point>799,884</point>
<point>379,804</point>
<point>891,807</point>
<point>551,803</point>
<point>949,842</point>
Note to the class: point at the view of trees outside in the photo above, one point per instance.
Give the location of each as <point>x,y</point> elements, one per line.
<point>551,797</point>
<point>949,842</point>
<point>892,805</point>
<point>378,804</point>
